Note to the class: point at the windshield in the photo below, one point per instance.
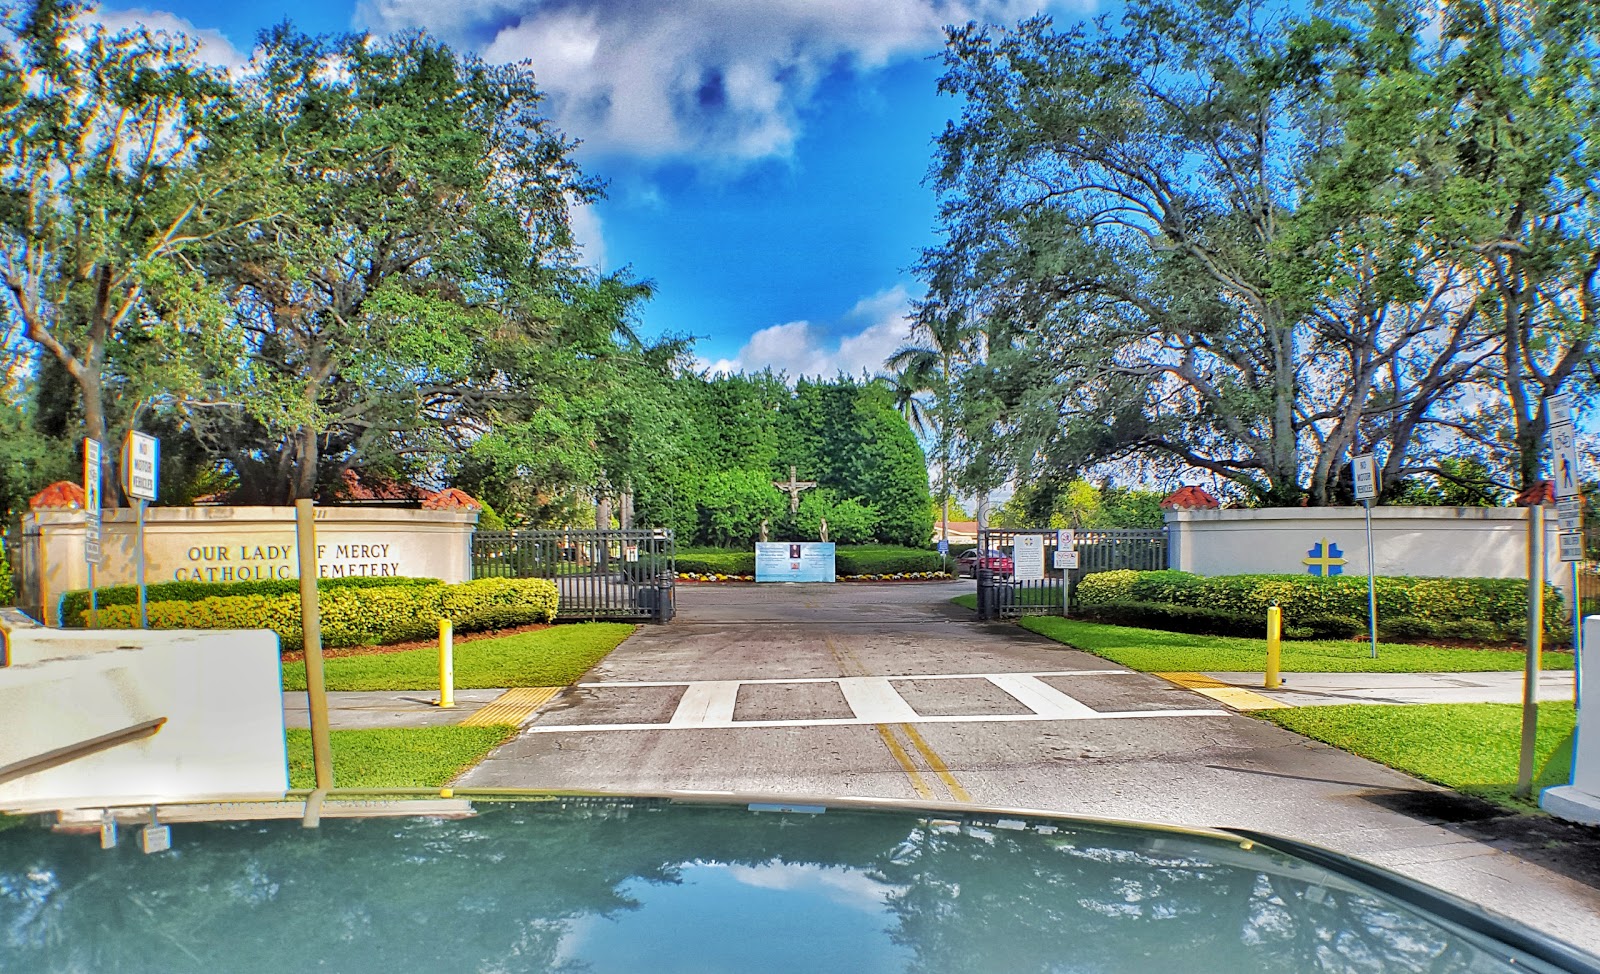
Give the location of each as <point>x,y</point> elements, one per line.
<point>606,885</point>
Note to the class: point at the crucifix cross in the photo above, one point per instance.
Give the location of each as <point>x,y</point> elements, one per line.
<point>793,488</point>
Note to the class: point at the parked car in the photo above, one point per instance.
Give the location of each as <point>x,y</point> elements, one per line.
<point>995,560</point>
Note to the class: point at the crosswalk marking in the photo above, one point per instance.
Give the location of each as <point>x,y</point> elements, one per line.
<point>857,721</point>
<point>1040,697</point>
<point>707,704</point>
<point>710,704</point>
<point>873,700</point>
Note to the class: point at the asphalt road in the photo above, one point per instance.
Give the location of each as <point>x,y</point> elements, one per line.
<point>890,691</point>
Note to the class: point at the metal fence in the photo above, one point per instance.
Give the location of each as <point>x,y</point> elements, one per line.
<point>600,574</point>
<point>1002,595</point>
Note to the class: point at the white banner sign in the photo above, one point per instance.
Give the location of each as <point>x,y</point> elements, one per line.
<point>141,466</point>
<point>1066,559</point>
<point>1028,558</point>
<point>1570,511</point>
<point>1560,408</point>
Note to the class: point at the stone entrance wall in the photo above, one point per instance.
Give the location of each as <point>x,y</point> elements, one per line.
<point>230,544</point>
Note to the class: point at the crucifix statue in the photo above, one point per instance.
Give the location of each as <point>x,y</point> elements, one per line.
<point>794,487</point>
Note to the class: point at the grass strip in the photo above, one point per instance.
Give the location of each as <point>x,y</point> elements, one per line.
<point>1156,651</point>
<point>396,757</point>
<point>544,658</point>
<point>1471,747</point>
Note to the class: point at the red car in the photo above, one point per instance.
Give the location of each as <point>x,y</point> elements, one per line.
<point>995,560</point>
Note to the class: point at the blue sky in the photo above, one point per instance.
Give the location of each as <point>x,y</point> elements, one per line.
<point>765,157</point>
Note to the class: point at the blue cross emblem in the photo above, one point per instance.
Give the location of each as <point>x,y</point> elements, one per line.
<point>1326,560</point>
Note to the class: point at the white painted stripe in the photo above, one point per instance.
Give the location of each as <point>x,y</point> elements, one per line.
<point>835,679</point>
<point>708,704</point>
<point>857,722</point>
<point>874,701</point>
<point>1040,697</point>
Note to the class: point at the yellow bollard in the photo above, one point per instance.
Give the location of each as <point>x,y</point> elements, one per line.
<point>447,665</point>
<point>1274,638</point>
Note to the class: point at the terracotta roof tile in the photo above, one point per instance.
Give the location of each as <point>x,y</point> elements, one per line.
<point>1190,499</point>
<point>62,495</point>
<point>451,499</point>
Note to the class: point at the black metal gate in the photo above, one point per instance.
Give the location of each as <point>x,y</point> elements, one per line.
<point>1013,583</point>
<point>627,575</point>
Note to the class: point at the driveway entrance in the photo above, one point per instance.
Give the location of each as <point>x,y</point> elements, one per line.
<point>890,691</point>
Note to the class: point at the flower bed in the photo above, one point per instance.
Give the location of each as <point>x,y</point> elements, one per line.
<point>895,577</point>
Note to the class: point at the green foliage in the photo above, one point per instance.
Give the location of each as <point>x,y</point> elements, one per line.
<point>1180,618</point>
<point>716,561</point>
<point>1100,588</point>
<point>1158,651</point>
<point>489,519</point>
<point>551,657</point>
<point>396,757</point>
<point>884,560</point>
<point>1499,602</point>
<point>359,616</point>
<point>75,604</point>
<point>8,591</point>
<point>1471,747</point>
<point>733,504</point>
<point>1080,504</point>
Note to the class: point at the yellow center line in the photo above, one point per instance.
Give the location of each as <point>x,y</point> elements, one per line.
<point>850,665</point>
<point>917,783</point>
<point>935,762</point>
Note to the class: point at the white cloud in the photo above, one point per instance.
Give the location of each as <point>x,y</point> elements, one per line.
<point>589,235</point>
<point>720,78</point>
<point>801,348</point>
<point>214,48</point>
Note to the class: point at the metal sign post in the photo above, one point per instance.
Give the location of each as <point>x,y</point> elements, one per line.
<point>92,461</point>
<point>1569,508</point>
<point>141,473</point>
<point>1364,475</point>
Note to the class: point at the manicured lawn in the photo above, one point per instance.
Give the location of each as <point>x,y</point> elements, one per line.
<point>544,658</point>
<point>396,757</point>
<point>1157,651</point>
<point>1471,747</point>
<point>1026,596</point>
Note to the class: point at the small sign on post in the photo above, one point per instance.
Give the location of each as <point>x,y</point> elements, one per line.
<point>1571,547</point>
<point>92,465</point>
<point>1364,476</point>
<point>1570,512</point>
<point>1564,459</point>
<point>141,472</point>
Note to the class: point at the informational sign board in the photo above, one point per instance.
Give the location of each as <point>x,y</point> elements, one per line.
<point>141,466</point>
<point>1066,538</point>
<point>1564,459</point>
<point>92,462</point>
<point>1560,410</point>
<point>1364,474</point>
<point>1028,558</point>
<point>1572,547</point>
<point>1570,512</point>
<point>795,561</point>
<point>1066,559</point>
<point>944,546</point>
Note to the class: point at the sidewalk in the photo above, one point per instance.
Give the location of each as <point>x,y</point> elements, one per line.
<point>361,710</point>
<point>1244,691</point>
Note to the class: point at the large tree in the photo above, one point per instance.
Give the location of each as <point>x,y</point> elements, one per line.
<point>109,182</point>
<point>417,273</point>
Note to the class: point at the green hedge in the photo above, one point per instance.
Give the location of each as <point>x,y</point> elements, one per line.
<point>75,604</point>
<point>848,560</point>
<point>360,615</point>
<point>1479,609</point>
<point>1183,618</point>
<point>884,560</point>
<point>1500,601</point>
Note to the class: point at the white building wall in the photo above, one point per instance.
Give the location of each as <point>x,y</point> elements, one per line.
<point>219,544</point>
<point>1460,542</point>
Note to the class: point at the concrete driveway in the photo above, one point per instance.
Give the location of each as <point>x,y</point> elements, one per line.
<point>889,691</point>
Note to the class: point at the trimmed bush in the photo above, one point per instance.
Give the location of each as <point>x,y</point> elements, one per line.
<point>1333,627</point>
<point>360,615</point>
<point>1499,602</point>
<point>884,560</point>
<point>1103,587</point>
<point>848,560</point>
<point>75,604</point>
<point>1184,618</point>
<point>716,561</point>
